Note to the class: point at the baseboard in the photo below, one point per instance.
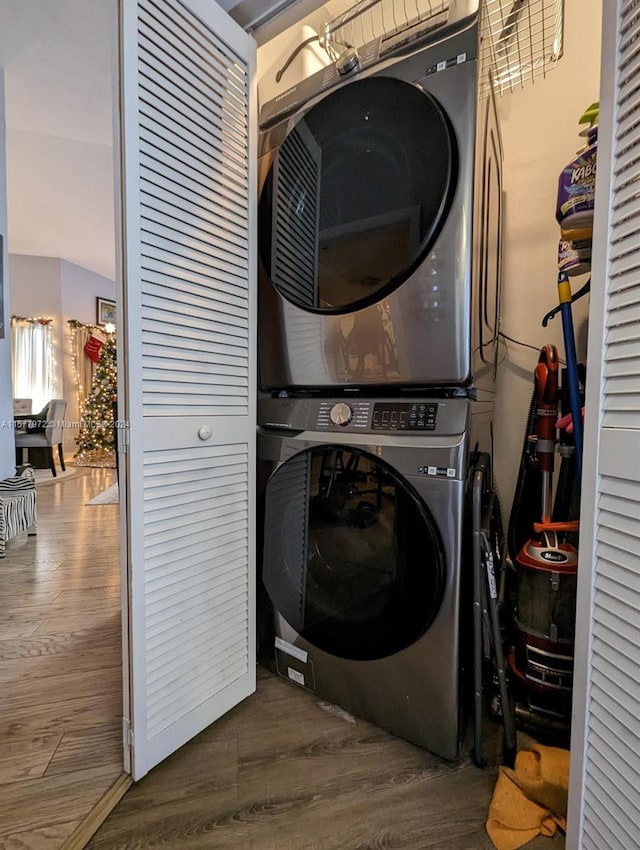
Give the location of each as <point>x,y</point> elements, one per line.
<point>88,827</point>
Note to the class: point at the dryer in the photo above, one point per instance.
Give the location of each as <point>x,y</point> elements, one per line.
<point>363,556</point>
<point>379,218</point>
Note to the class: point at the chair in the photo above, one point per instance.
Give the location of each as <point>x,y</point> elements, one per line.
<point>22,406</point>
<point>50,436</point>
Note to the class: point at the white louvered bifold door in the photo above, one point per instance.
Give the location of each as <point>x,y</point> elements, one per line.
<point>604,812</point>
<point>188,163</point>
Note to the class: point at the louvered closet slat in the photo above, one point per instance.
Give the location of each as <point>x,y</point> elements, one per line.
<point>188,600</point>
<point>196,633</point>
<point>626,190</point>
<point>181,359</point>
<point>160,128</point>
<point>192,114</point>
<point>174,239</point>
<point>629,82</point>
<point>162,151</point>
<point>605,806</point>
<point>179,69</point>
<point>228,561</point>
<point>197,196</point>
<point>627,161</point>
<point>160,719</point>
<point>626,177</point>
<point>623,218</point>
<point>189,156</point>
<point>213,55</point>
<point>193,284</point>
<point>610,806</point>
<point>222,303</point>
<point>609,684</point>
<point>191,210</point>
<point>617,366</point>
<point>162,675</point>
<point>621,723</point>
<point>625,262</point>
<point>628,105</point>
<point>621,797</point>
<point>156,261</point>
<point>158,320</point>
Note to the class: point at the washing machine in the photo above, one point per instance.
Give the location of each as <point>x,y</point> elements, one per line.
<point>379,218</point>
<point>363,556</point>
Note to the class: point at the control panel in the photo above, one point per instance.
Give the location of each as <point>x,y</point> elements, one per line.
<point>404,416</point>
<point>387,416</point>
<point>338,414</point>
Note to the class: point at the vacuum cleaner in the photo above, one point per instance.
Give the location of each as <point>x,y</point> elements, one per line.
<point>541,660</point>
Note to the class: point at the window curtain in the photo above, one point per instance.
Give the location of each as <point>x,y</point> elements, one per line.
<point>32,360</point>
<point>84,368</point>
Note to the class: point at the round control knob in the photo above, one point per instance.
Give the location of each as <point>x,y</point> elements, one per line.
<point>347,62</point>
<point>341,414</point>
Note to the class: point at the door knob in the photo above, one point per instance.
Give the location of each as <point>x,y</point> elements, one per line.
<point>205,432</point>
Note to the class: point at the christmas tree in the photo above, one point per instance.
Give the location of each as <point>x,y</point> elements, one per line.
<point>96,436</point>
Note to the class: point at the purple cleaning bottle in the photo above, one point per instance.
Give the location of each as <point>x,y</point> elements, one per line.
<point>577,186</point>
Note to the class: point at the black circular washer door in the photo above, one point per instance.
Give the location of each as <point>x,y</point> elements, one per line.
<point>353,560</point>
<point>356,195</point>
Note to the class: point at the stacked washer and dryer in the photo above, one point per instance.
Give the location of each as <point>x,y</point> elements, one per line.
<point>380,215</point>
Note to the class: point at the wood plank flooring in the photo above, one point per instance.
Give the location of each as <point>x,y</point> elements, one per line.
<point>282,771</point>
<point>60,665</point>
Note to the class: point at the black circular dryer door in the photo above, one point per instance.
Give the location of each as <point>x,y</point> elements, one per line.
<point>356,195</point>
<point>352,558</point>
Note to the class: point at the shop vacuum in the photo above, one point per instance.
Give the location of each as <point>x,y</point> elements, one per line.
<point>545,569</point>
<point>543,531</point>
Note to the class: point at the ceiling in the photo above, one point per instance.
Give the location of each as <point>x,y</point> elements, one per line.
<point>57,57</point>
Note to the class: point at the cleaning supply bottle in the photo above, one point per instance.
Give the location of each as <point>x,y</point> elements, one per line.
<point>577,185</point>
<point>574,258</point>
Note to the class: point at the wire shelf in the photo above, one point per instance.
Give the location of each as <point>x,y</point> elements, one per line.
<point>369,20</point>
<point>521,39</point>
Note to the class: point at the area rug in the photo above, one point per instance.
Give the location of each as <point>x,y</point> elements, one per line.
<point>109,496</point>
<point>44,476</point>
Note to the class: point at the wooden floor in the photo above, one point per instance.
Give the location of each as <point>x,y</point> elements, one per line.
<point>283,771</point>
<point>60,665</point>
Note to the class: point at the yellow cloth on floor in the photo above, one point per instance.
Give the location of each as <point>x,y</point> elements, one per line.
<point>530,800</point>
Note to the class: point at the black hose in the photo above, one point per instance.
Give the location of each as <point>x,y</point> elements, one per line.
<point>520,520</point>
<point>294,53</point>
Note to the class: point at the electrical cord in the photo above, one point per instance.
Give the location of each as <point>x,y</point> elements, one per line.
<point>325,43</point>
<point>526,345</point>
<point>519,342</point>
<point>294,53</point>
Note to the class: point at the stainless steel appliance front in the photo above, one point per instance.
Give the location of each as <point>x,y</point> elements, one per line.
<point>379,228</point>
<point>363,554</point>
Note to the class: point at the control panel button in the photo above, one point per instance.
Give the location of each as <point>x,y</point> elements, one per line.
<point>404,416</point>
<point>341,414</point>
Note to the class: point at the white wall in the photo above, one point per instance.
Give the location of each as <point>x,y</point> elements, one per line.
<point>61,198</point>
<point>7,445</point>
<point>48,286</point>
<point>539,127</point>
<point>80,288</point>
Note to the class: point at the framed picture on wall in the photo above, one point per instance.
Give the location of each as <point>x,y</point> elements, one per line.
<point>105,311</point>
